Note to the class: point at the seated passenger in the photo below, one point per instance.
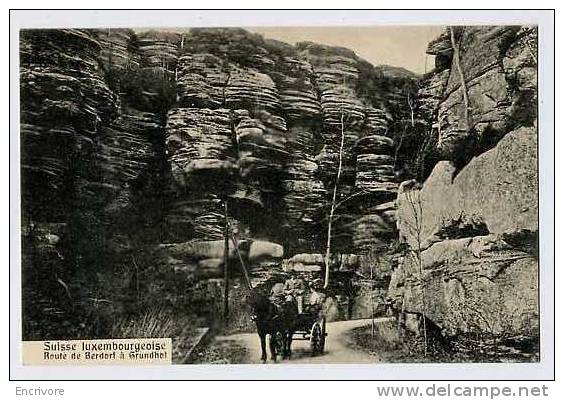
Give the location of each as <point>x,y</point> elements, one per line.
<point>317,298</point>
<point>296,288</point>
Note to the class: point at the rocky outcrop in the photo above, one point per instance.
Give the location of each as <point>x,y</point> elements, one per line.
<point>64,101</point>
<point>483,77</point>
<point>199,216</point>
<point>361,124</point>
<point>123,154</point>
<point>199,142</point>
<point>478,284</point>
<point>119,56</point>
<point>471,228</point>
<point>151,137</point>
<point>297,89</point>
<point>201,80</point>
<point>282,107</point>
<point>499,189</point>
<point>472,276</point>
<point>152,87</point>
<point>262,148</point>
<point>159,50</point>
<point>86,157</point>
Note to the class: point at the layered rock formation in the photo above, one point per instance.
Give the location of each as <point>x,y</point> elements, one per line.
<point>472,227</point>
<point>281,110</point>
<point>358,125</point>
<point>139,143</point>
<point>234,119</point>
<point>481,192</point>
<point>65,99</point>
<point>83,151</point>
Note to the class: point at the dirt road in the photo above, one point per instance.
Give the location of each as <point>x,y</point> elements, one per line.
<point>336,348</point>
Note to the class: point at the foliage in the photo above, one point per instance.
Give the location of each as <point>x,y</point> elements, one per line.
<point>154,323</point>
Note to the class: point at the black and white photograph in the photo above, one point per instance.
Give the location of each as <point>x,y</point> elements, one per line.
<point>282,194</point>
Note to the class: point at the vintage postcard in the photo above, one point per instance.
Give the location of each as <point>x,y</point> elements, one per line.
<point>280,194</point>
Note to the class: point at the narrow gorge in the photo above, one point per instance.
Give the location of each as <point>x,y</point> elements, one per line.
<point>137,147</point>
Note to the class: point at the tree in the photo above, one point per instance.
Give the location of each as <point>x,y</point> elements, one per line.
<point>334,198</point>
<point>413,198</point>
<point>463,86</point>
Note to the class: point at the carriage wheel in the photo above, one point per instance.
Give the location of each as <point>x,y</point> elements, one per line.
<point>317,339</point>
<point>323,335</point>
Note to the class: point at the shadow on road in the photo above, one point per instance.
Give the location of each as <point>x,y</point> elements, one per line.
<point>305,353</point>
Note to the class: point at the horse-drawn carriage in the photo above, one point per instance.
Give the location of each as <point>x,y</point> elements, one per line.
<point>284,321</point>
<point>283,318</point>
<point>310,325</point>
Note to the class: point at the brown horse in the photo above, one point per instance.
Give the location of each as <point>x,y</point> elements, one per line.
<point>275,320</point>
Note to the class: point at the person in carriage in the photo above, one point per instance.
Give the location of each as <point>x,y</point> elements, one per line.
<point>304,295</point>
<point>317,297</point>
<point>296,287</point>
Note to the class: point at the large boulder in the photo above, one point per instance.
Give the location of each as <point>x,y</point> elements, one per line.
<point>472,264</point>
<point>497,188</point>
<point>199,250</point>
<point>479,284</point>
<point>261,250</point>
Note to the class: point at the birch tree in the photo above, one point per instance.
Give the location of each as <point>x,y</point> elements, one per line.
<point>335,190</point>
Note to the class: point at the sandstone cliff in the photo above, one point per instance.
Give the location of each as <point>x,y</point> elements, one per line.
<point>472,226</point>
<point>134,144</point>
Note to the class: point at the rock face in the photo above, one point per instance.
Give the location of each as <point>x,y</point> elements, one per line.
<point>260,121</point>
<point>361,124</point>
<point>118,56</point>
<point>65,100</point>
<point>498,189</point>
<point>476,236</point>
<point>124,152</point>
<point>139,144</point>
<point>199,142</point>
<point>168,129</point>
<point>481,88</point>
<point>88,152</point>
<point>477,284</point>
<point>471,228</point>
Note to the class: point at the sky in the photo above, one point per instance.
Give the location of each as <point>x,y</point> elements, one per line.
<point>400,46</point>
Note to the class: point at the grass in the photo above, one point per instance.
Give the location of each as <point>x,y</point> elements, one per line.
<point>159,323</point>
<point>393,346</point>
<point>155,323</point>
<point>222,352</point>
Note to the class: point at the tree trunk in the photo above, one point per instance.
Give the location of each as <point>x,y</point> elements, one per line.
<point>225,266</point>
<point>334,199</point>
<point>456,47</point>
